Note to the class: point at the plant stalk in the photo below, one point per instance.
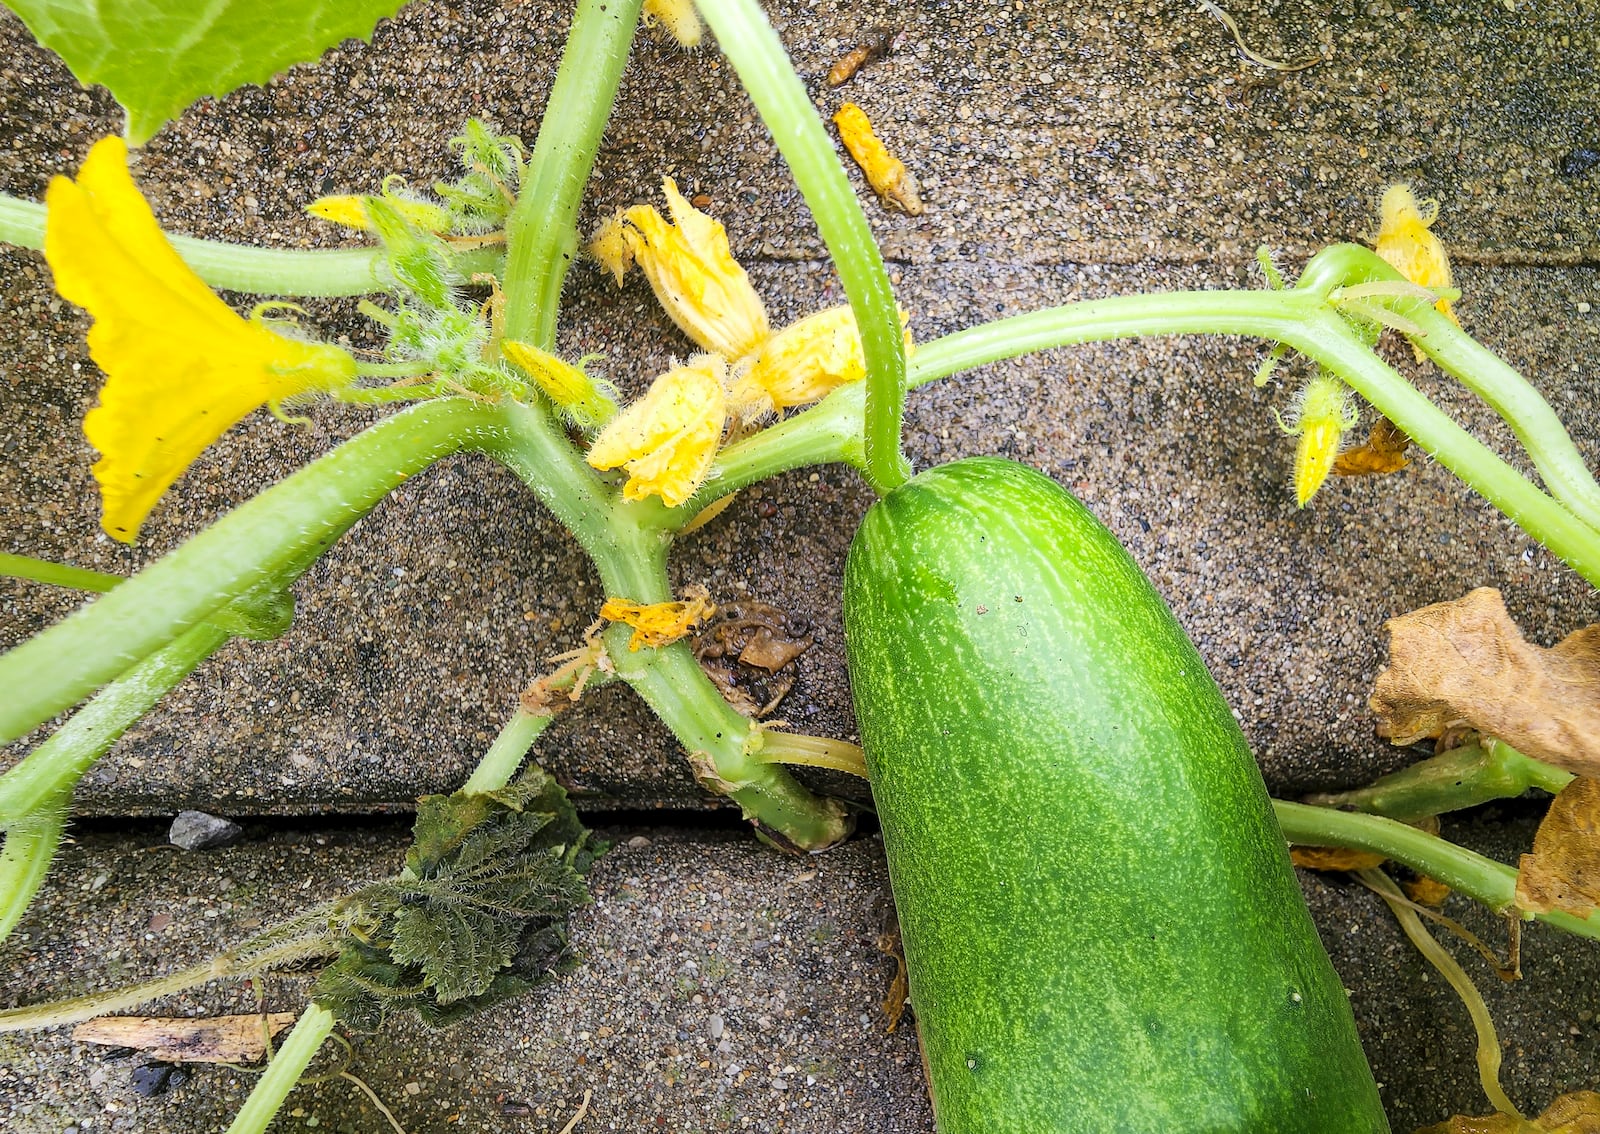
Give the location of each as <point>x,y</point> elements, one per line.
<point>757,54</point>
<point>1460,778</point>
<point>289,1062</point>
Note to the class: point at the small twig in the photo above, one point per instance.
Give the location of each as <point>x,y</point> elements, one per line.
<point>376,1101</point>
<point>1238,39</point>
<point>583,1109</point>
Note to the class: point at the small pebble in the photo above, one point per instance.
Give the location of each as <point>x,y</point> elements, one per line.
<point>195,830</point>
<point>1575,163</point>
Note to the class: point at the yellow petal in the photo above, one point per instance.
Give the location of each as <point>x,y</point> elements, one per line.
<point>182,367</point>
<point>563,383</point>
<point>1407,244</point>
<point>660,623</point>
<point>678,17</point>
<point>695,277</point>
<point>887,174</point>
<point>805,361</point>
<point>1323,416</point>
<point>346,209</point>
<point>668,438</point>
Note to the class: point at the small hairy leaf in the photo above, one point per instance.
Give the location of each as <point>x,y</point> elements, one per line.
<point>158,56</point>
<point>479,915</point>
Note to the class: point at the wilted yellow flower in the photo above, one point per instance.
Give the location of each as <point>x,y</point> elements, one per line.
<point>694,275</point>
<point>668,438</point>
<point>803,362</point>
<point>563,383</point>
<point>678,17</point>
<point>887,174</point>
<point>1407,245</point>
<point>181,367</point>
<point>660,623</point>
<point>350,210</point>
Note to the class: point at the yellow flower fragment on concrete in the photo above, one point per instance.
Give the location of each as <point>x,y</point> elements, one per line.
<point>887,174</point>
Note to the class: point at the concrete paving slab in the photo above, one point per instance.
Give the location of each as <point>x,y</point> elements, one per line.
<point>722,987</point>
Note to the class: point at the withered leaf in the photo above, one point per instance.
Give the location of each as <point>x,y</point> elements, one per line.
<point>1575,1113</point>
<point>1465,662</point>
<point>213,1039</point>
<point>1384,452</point>
<point>1426,891</point>
<point>1563,872</point>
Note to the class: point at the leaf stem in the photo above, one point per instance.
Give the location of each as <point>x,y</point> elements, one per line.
<point>757,54</point>
<point>507,752</point>
<point>57,574</point>
<point>50,771</point>
<point>289,1062</point>
<point>541,233</point>
<point>259,271</point>
<point>1460,778</point>
<point>30,848</point>
<point>1482,879</point>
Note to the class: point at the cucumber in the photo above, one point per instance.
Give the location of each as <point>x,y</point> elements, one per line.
<point>1101,925</point>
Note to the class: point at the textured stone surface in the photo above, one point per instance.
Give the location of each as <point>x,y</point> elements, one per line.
<point>688,929</point>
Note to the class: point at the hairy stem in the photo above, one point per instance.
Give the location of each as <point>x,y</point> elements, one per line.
<point>1460,778</point>
<point>263,542</point>
<point>541,233</point>
<point>30,848</point>
<point>755,51</point>
<point>50,771</point>
<point>259,271</point>
<point>1482,879</point>
<point>289,1062</point>
<point>507,752</point>
<point>56,574</point>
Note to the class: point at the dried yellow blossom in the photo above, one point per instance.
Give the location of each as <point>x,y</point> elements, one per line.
<point>887,174</point>
<point>350,211</point>
<point>181,367</point>
<point>803,362</point>
<point>660,623</point>
<point>668,438</point>
<point>694,275</point>
<point>678,17</point>
<point>1406,243</point>
<point>563,383</point>
<point>610,248</point>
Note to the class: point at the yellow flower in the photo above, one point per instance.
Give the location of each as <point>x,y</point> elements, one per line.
<point>181,367</point>
<point>803,362</point>
<point>350,211</point>
<point>694,275</point>
<point>563,383</point>
<point>1407,245</point>
<point>610,248</point>
<point>1322,416</point>
<point>660,623</point>
<point>668,438</point>
<point>678,17</point>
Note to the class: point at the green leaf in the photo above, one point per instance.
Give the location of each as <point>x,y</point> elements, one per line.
<point>158,56</point>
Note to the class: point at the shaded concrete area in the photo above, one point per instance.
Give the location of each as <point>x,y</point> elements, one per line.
<point>722,987</point>
<point>1066,151</point>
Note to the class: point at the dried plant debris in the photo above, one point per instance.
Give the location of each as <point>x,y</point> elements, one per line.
<point>1576,1113</point>
<point>887,174</point>
<point>1383,452</point>
<point>884,42</point>
<point>210,1039</point>
<point>1466,663</point>
<point>1334,859</point>
<point>749,649</point>
<point>1563,872</point>
<point>479,915</point>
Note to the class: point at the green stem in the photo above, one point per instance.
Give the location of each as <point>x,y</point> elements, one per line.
<point>57,574</point>
<point>507,752</point>
<point>1460,778</point>
<point>30,848</point>
<point>260,543</point>
<point>755,51</point>
<point>259,271</point>
<point>50,771</point>
<point>289,1062</point>
<point>1482,879</point>
<point>541,233</point>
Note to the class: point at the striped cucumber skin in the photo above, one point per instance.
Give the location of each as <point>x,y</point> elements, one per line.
<point>1101,924</point>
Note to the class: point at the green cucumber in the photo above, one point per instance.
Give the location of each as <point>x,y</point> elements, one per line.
<point>1101,925</point>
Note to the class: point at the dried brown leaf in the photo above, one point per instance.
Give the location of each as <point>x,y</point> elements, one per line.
<point>1576,1113</point>
<point>1426,891</point>
<point>1465,662</point>
<point>1563,872</point>
<point>215,1039</point>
